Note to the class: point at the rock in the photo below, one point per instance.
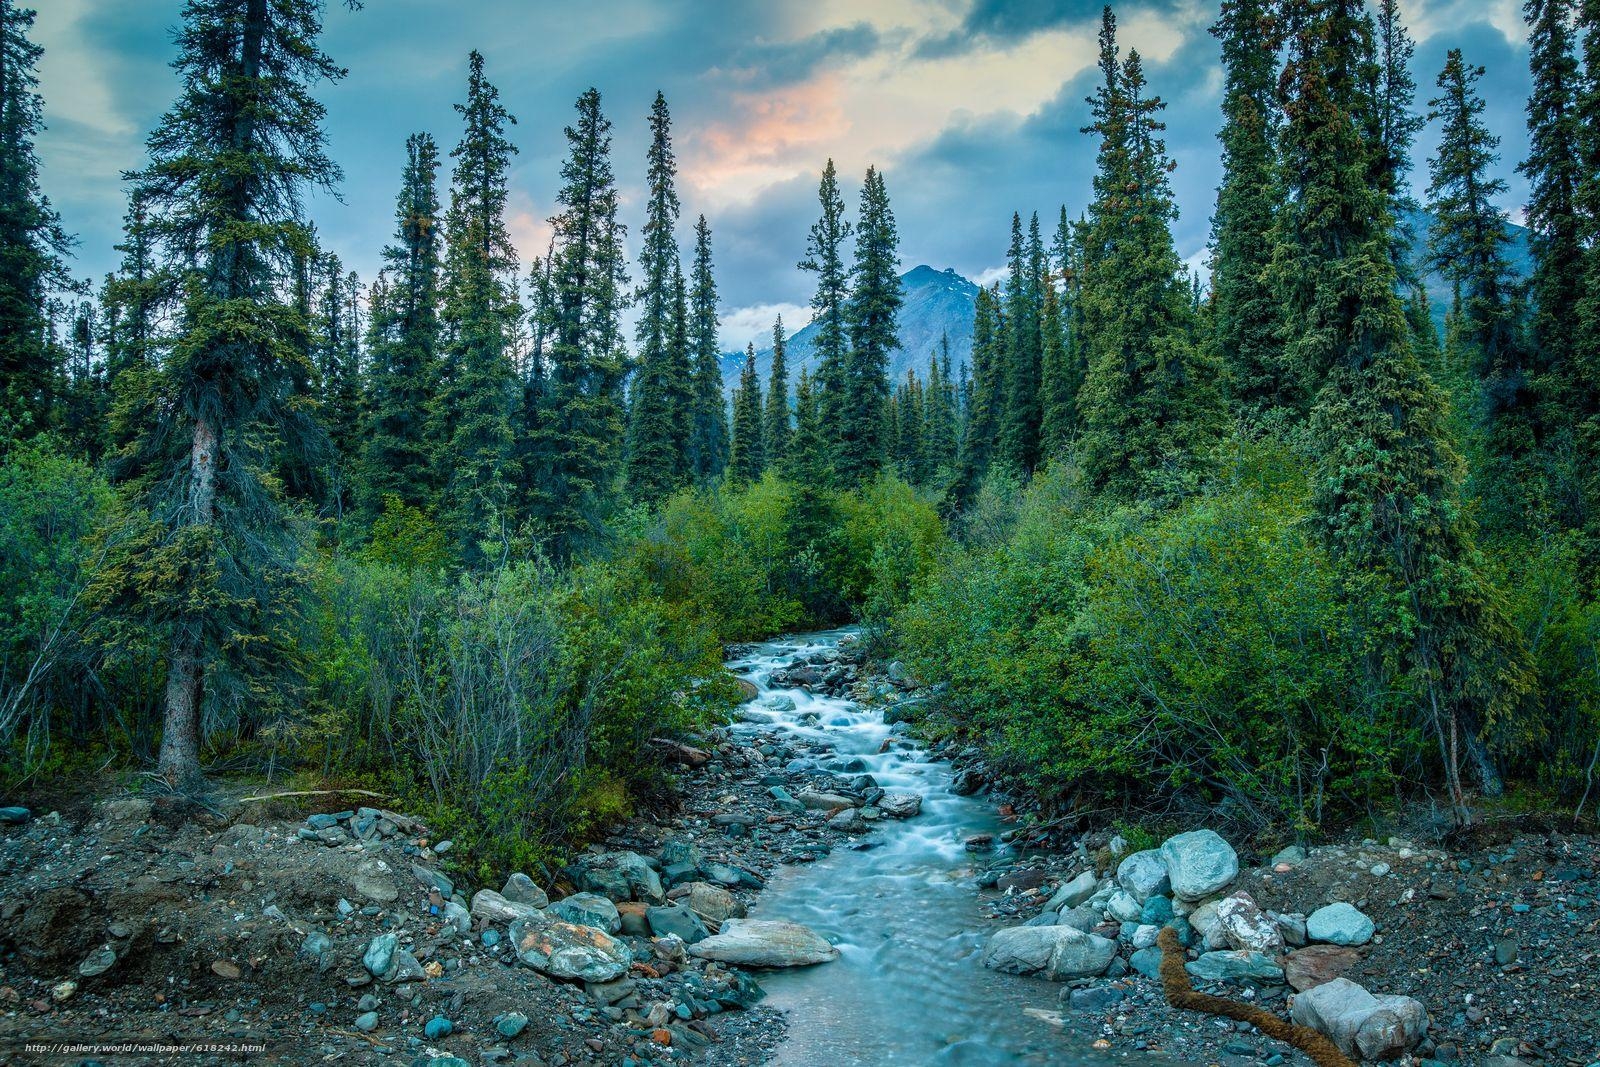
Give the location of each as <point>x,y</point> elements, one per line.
<point>127,809</point>
<point>679,922</point>
<point>1505,951</point>
<point>563,950</point>
<point>437,1027</point>
<point>587,909</point>
<point>632,913</point>
<point>1144,936</point>
<point>1156,910</point>
<point>1026,878</point>
<point>1361,1024</point>
<point>367,1022</point>
<point>1073,893</point>
<point>713,903</point>
<point>1147,961</point>
<point>1095,998</point>
<point>1315,965</point>
<point>979,843</point>
<point>1082,917</point>
<point>900,805</point>
<point>1245,926</point>
<point>511,1024</point>
<point>433,879</point>
<point>520,889</point>
<point>1293,928</point>
<point>493,908</point>
<point>98,962</point>
<point>1199,863</point>
<point>1293,856</point>
<point>848,821</point>
<point>815,801</point>
<point>15,816</point>
<point>374,881</point>
<point>378,959</point>
<point>1144,875</point>
<point>1339,924</point>
<point>967,782</point>
<point>1123,907</point>
<point>226,969</point>
<point>765,943</point>
<point>622,876</point>
<point>1235,966</point>
<point>406,969</point>
<point>785,801</point>
<point>1054,952</point>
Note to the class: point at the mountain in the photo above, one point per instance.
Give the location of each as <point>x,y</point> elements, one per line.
<point>937,303</point>
<point>1519,254</point>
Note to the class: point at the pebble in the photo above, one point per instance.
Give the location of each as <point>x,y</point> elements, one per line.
<point>367,1022</point>
<point>438,1027</point>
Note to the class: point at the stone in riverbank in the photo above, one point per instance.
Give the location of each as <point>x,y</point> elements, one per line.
<point>1199,863</point>
<point>1144,875</point>
<point>1058,953</point>
<point>1073,893</point>
<point>1239,966</point>
<point>765,943</point>
<point>1361,1024</point>
<point>564,950</point>
<point>587,909</point>
<point>1339,924</point>
<point>900,805</point>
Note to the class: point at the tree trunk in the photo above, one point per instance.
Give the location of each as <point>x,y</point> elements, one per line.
<point>179,762</point>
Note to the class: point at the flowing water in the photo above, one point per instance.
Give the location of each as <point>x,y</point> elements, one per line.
<point>909,987</point>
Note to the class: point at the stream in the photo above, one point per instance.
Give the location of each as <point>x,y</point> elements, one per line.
<point>909,986</point>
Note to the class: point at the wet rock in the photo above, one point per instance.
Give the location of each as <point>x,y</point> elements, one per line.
<point>712,902</point>
<point>1199,863</point>
<point>1027,878</point>
<point>1339,924</point>
<point>812,800</point>
<point>14,816</point>
<point>1144,875</point>
<point>1235,966</point>
<point>494,908</point>
<point>1058,953</point>
<point>968,781</point>
<point>378,959</point>
<point>1246,926</point>
<point>1083,917</point>
<point>511,1024</point>
<point>784,800</point>
<point>1315,965</point>
<point>1361,1024</point>
<point>979,843</point>
<point>622,876</point>
<point>520,889</point>
<point>1073,893</point>
<point>587,909</point>
<point>900,805</point>
<point>563,950</point>
<point>848,821</point>
<point>678,921</point>
<point>765,943</point>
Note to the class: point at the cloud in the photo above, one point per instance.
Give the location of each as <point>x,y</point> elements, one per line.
<point>753,324</point>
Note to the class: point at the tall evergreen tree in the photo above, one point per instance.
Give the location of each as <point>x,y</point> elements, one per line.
<point>228,165</point>
<point>825,246</point>
<point>479,315</point>
<point>1022,415</point>
<point>806,462</point>
<point>984,397</point>
<point>747,456</point>
<point>1395,124</point>
<point>131,301</point>
<point>578,459</point>
<point>403,351</point>
<point>1245,321</point>
<point>775,434</point>
<point>870,315</point>
<point>658,440</point>
<point>1553,170</point>
<point>32,243</point>
<point>1387,481</point>
<point>1468,247</point>
<point>1148,400</point>
<point>941,440</point>
<point>708,436</point>
<point>1586,340</point>
<point>1059,381</point>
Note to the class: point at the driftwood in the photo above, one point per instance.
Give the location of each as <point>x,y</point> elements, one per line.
<point>1181,994</point>
<point>314,793</point>
<point>685,754</point>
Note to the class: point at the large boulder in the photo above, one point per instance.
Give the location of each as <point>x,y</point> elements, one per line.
<point>1339,924</point>
<point>1246,926</point>
<point>1361,1024</point>
<point>713,903</point>
<point>565,950</point>
<point>1058,953</point>
<point>1199,863</point>
<point>1073,893</point>
<point>765,943</point>
<point>1144,875</point>
<point>520,889</point>
<point>587,909</point>
<point>1236,966</point>
<point>900,805</point>
<point>622,876</point>
<point>678,921</point>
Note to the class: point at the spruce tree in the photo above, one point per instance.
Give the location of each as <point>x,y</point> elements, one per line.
<point>806,462</point>
<point>1059,381</point>
<point>825,258</point>
<point>940,442</point>
<point>1395,124</point>
<point>1387,480</point>
<point>775,433</point>
<point>1468,247</point>
<point>1245,321</point>
<point>870,316</point>
<point>228,166</point>
<point>1554,170</point>
<point>479,314</point>
<point>131,301</point>
<point>1586,339</point>
<point>1021,413</point>
<point>1148,400</point>
<point>403,350</point>
<point>747,456</point>
<point>577,461</point>
<point>982,405</point>
<point>32,243</point>
<point>661,422</point>
<point>708,433</point>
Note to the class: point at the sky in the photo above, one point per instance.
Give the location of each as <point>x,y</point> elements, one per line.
<point>971,108</point>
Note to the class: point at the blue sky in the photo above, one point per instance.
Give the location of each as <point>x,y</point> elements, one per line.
<point>971,107</point>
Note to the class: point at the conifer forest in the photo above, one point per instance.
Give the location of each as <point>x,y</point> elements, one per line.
<point>534,559</point>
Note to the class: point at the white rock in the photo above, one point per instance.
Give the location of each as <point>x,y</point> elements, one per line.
<point>1144,875</point>
<point>1246,926</point>
<point>765,943</point>
<point>1199,863</point>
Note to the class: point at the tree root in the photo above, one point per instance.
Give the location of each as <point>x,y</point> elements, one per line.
<point>1181,994</point>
